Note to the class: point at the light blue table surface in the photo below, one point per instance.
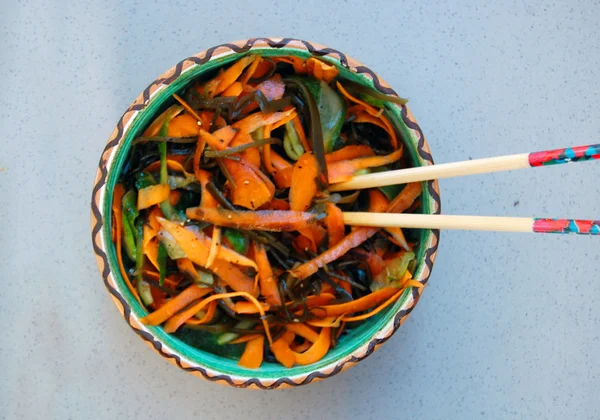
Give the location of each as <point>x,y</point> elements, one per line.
<point>509,324</point>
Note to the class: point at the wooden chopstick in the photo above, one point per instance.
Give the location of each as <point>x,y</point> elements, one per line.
<point>500,224</point>
<point>470,167</point>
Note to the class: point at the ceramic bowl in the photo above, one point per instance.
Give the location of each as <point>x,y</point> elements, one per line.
<point>352,347</point>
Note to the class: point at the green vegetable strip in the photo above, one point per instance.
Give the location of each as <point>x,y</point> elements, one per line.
<point>165,206</point>
<point>143,288</point>
<point>130,213</point>
<point>128,238</point>
<point>236,240</point>
<point>143,180</point>
<point>291,142</point>
<point>162,263</point>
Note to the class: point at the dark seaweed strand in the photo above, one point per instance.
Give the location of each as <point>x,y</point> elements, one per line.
<point>316,130</point>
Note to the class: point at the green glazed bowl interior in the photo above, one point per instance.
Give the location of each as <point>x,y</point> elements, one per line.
<point>268,373</point>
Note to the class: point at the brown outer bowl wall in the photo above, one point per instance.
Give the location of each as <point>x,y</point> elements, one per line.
<point>99,191</point>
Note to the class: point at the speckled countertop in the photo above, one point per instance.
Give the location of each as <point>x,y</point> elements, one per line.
<point>509,325</point>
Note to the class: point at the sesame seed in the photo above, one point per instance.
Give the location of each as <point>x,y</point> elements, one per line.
<point>247,182</point>
<point>229,216</point>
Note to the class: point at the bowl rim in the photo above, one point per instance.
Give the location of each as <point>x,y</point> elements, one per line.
<point>99,194</point>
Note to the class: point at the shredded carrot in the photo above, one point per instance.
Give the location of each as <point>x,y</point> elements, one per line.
<point>268,283</point>
<point>283,171</point>
<point>186,266</point>
<point>263,67</point>
<point>276,204</point>
<point>290,117</point>
<point>246,338</point>
<point>369,108</point>
<point>378,202</point>
<point>234,90</point>
<point>176,304</point>
<point>330,321</point>
<point>254,121</point>
<point>208,316</point>
<point>253,353</point>
<point>406,197</point>
<point>303,330</point>
<point>343,170</point>
<point>413,283</point>
<point>206,200</point>
<point>321,70</point>
<point>150,250</point>
<point>194,246</point>
<point>350,241</point>
<point>212,140</point>
<point>185,316</point>
<point>249,71</point>
<point>323,299</point>
<point>183,125</point>
<point>188,108</point>
<point>334,223</point>
<point>304,184</point>
<point>248,307</point>
<point>281,349</point>
<point>316,352</point>
<point>298,63</point>
<point>252,189</point>
<point>271,220</point>
<point>214,246</point>
<point>299,348</point>
<point>118,193</point>
<point>198,306</point>
<point>174,197</point>
<point>229,76</point>
<point>355,238</point>
<point>172,165</point>
<point>349,152</point>
<point>151,195</point>
<point>376,310</point>
<point>361,304</point>
<point>223,136</point>
<point>398,236</point>
<point>251,155</point>
<point>158,122</point>
<point>314,234</point>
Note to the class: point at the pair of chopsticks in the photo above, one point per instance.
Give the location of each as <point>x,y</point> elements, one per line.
<point>472,167</point>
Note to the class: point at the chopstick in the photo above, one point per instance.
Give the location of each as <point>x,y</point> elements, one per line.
<point>470,167</point>
<point>501,224</point>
